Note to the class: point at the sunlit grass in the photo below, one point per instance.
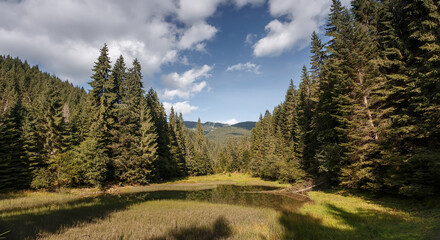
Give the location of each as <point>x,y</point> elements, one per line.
<point>116,214</point>
<point>333,216</point>
<point>232,178</point>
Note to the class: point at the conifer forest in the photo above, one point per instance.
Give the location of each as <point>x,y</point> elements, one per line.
<point>366,115</point>
<point>352,150</point>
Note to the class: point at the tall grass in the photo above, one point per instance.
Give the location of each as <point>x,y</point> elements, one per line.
<point>128,213</point>
<point>232,178</point>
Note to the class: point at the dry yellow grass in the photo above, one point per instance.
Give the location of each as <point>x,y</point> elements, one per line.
<point>174,219</point>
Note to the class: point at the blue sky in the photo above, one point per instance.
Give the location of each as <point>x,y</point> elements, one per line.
<point>220,60</point>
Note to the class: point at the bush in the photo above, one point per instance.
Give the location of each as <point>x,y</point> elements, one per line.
<point>94,162</point>
<point>44,179</point>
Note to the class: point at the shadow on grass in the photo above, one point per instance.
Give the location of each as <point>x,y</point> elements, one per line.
<point>220,229</point>
<point>29,223</point>
<point>364,224</point>
<point>5,196</point>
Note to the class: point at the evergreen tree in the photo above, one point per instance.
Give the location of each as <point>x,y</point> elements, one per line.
<point>318,57</point>
<point>361,66</point>
<point>306,114</point>
<point>175,152</point>
<point>288,127</point>
<point>102,120</point>
<point>130,166</point>
<point>102,100</point>
<point>94,161</point>
<point>52,112</point>
<point>14,173</point>
<point>117,78</point>
<point>147,147</point>
<point>199,163</point>
<point>334,103</point>
<point>411,67</point>
<point>182,143</point>
<point>32,141</point>
<point>162,165</point>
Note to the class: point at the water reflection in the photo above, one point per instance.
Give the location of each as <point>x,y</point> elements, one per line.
<point>229,194</point>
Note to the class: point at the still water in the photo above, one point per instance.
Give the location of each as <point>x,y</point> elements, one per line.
<point>229,194</point>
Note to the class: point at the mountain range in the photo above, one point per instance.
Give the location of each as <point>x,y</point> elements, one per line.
<point>220,132</point>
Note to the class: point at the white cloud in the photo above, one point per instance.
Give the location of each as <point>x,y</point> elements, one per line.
<point>192,37</point>
<point>242,3</point>
<point>64,37</point>
<point>304,17</point>
<point>250,38</point>
<point>171,94</point>
<point>248,67</point>
<point>196,88</point>
<point>191,11</point>
<point>229,122</point>
<point>186,84</point>
<point>179,107</point>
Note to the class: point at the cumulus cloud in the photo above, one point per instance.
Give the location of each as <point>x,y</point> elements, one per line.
<point>192,37</point>
<point>186,84</point>
<point>64,37</point>
<point>191,11</point>
<point>179,107</point>
<point>303,17</point>
<point>229,122</point>
<point>248,67</point>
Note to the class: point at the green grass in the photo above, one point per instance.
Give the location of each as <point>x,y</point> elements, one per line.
<point>89,214</point>
<point>333,216</point>
<point>231,178</point>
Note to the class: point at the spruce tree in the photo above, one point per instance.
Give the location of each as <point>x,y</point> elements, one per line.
<point>14,171</point>
<point>101,117</point>
<point>334,103</point>
<point>52,112</point>
<point>175,152</point>
<point>318,57</point>
<point>182,143</point>
<point>117,78</point>
<point>306,115</point>
<point>411,53</point>
<point>162,165</point>
<point>147,147</point>
<point>130,166</point>
<point>288,127</point>
<point>200,163</point>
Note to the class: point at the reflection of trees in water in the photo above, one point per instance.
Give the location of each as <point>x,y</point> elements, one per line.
<point>246,196</point>
<point>227,194</point>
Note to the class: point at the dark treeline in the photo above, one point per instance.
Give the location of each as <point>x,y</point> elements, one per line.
<point>53,134</point>
<point>367,113</point>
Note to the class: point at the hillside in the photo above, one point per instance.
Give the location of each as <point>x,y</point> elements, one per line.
<point>222,134</point>
<point>206,125</point>
<point>245,125</point>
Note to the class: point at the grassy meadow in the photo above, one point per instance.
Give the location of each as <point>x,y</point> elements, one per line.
<point>116,214</point>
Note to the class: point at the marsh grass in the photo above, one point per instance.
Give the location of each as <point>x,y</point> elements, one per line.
<point>128,213</point>
<point>176,219</point>
<point>231,178</point>
<point>333,216</point>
